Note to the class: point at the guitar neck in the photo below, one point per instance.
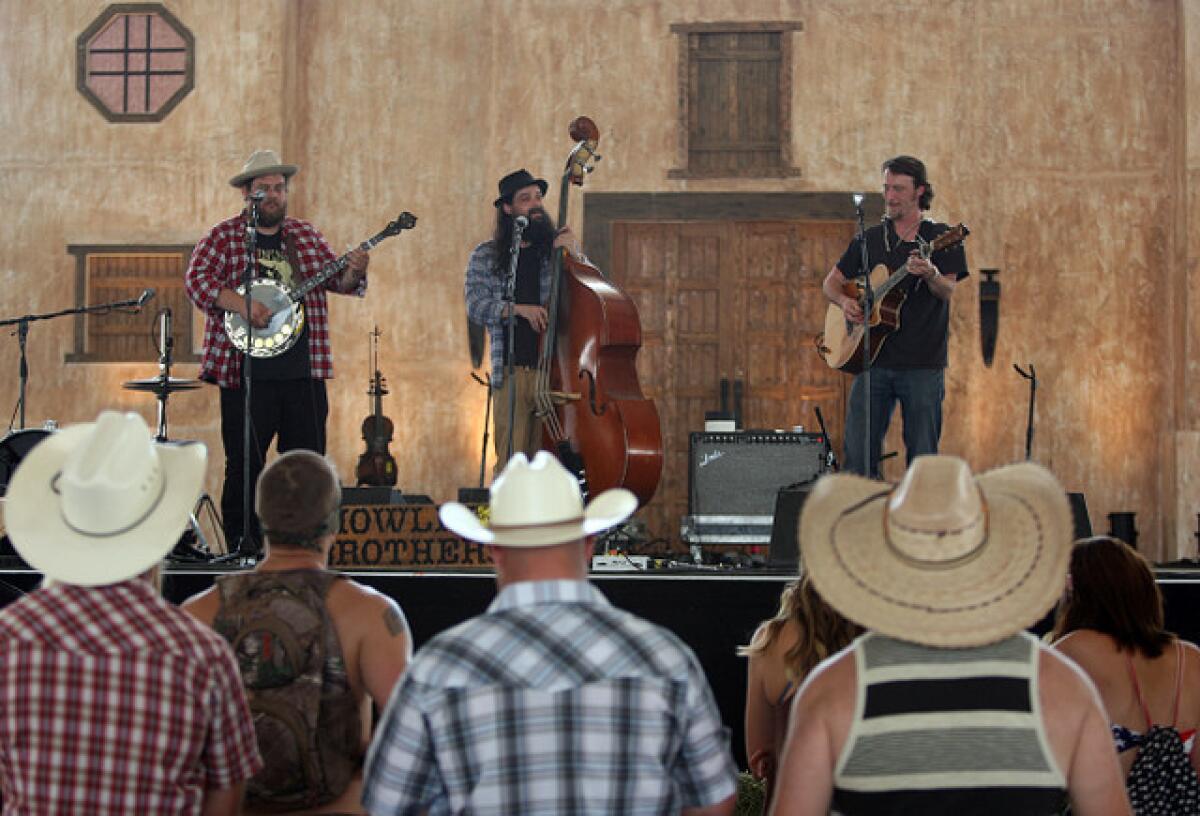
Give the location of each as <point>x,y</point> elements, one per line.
<point>333,268</point>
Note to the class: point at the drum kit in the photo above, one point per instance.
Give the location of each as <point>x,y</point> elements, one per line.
<point>192,547</point>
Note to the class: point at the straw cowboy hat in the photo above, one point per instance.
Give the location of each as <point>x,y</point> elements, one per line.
<point>944,558</point>
<point>263,163</point>
<point>100,502</point>
<point>538,504</point>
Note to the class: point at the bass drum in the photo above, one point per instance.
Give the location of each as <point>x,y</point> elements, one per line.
<point>15,447</point>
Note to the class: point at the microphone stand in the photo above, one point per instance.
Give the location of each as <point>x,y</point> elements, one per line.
<point>510,297</point>
<point>245,546</point>
<point>22,324</point>
<point>1030,375</point>
<point>868,305</point>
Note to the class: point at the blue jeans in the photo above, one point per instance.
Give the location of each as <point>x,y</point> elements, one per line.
<point>918,390</point>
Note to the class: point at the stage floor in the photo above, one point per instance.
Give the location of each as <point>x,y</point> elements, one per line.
<point>712,611</point>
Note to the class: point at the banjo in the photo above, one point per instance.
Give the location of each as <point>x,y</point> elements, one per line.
<point>287,303</point>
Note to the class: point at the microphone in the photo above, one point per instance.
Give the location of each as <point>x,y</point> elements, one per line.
<point>146,296</point>
<point>521,222</point>
<point>858,199</point>
<point>257,195</point>
<point>165,340</point>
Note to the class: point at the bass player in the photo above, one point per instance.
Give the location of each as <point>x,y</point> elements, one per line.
<point>910,366</point>
<point>289,399</point>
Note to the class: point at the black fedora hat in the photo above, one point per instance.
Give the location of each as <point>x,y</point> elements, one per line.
<point>515,181</point>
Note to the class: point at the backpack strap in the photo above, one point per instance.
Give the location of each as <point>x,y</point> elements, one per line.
<point>1137,690</point>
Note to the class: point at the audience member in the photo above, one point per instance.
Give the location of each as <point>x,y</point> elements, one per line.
<point>114,700</point>
<point>1110,622</point>
<point>314,647</point>
<point>553,701</point>
<point>784,649</point>
<point>945,706</point>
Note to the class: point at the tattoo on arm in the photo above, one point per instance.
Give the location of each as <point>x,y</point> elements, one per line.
<point>394,620</point>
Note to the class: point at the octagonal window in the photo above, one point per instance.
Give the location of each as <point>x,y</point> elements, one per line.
<point>135,62</point>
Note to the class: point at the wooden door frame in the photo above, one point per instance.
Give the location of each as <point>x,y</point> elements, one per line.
<point>600,210</point>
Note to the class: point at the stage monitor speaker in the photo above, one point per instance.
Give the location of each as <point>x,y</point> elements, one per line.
<point>740,473</point>
<point>1079,514</point>
<point>784,552</point>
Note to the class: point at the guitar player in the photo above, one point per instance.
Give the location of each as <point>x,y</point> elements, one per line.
<point>910,366</point>
<point>289,398</point>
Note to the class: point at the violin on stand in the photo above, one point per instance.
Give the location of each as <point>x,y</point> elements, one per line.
<point>377,466</point>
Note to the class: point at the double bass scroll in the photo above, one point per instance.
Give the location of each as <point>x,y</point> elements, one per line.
<point>594,415</point>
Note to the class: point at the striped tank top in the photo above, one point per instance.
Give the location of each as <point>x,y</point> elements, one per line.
<point>950,731</point>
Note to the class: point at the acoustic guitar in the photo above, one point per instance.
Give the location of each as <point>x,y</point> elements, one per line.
<point>841,344</point>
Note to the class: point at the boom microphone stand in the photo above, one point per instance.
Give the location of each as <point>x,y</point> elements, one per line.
<point>510,297</point>
<point>868,305</point>
<point>22,324</point>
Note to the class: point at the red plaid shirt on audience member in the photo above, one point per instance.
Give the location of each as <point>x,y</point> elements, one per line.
<point>219,261</point>
<point>115,701</point>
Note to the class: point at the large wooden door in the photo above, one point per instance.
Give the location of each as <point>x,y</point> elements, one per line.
<point>739,300</point>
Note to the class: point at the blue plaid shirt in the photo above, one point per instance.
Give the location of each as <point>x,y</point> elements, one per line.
<point>484,292</point>
<point>552,702</point>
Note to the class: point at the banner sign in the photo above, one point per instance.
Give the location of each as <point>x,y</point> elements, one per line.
<point>401,537</point>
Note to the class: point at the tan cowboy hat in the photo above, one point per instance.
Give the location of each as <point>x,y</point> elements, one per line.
<point>263,163</point>
<point>100,502</point>
<point>538,504</point>
<point>944,558</point>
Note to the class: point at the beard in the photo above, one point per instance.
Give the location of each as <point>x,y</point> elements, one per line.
<point>271,216</point>
<point>541,230</point>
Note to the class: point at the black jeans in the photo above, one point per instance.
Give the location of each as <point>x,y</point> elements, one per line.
<point>293,410</point>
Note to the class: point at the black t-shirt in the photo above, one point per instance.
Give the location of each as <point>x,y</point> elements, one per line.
<point>922,338</point>
<point>525,339</point>
<point>293,364</point>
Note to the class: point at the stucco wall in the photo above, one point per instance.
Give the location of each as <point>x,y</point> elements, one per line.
<point>1064,133</point>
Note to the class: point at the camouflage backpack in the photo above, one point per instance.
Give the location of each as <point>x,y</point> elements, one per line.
<point>307,724</point>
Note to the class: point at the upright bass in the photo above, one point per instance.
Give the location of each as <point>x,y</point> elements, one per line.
<point>594,415</point>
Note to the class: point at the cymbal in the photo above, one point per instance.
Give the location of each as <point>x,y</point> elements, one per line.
<point>156,385</point>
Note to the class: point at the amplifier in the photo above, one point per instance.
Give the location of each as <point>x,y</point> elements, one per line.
<point>740,473</point>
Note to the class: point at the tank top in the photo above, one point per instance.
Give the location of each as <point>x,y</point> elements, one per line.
<point>947,731</point>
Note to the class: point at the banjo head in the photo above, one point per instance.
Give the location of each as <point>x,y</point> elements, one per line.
<point>280,334</point>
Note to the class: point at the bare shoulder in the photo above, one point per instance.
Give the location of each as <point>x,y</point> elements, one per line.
<point>1064,685</point>
<point>365,605</point>
<point>832,681</point>
<point>203,606</point>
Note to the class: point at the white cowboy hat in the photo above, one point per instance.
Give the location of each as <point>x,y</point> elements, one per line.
<point>944,558</point>
<point>101,502</point>
<point>263,163</point>
<point>538,504</point>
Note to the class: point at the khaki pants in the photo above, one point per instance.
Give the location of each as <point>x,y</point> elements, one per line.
<point>527,428</point>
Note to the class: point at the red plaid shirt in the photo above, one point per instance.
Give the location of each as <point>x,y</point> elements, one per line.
<point>219,261</point>
<point>114,701</point>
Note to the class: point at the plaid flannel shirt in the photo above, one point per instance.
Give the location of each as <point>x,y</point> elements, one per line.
<point>219,261</point>
<point>484,293</point>
<point>552,702</point>
<point>116,701</point>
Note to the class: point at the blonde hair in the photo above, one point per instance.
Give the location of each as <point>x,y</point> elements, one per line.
<point>823,631</point>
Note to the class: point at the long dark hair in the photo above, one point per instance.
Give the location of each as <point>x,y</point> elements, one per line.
<point>502,235</point>
<point>1112,590</point>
